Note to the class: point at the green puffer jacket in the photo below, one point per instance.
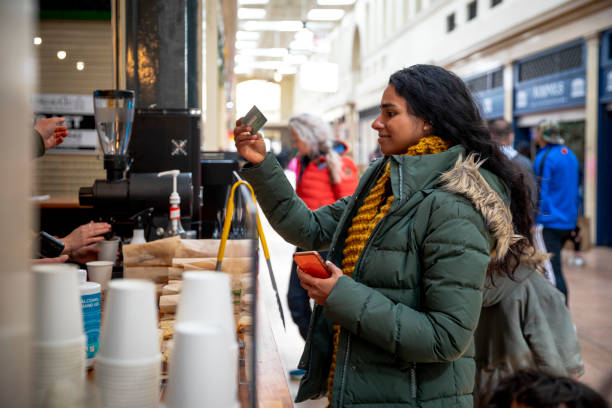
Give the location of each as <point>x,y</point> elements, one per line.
<point>409,312</point>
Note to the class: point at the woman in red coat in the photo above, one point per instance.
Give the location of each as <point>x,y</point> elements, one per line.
<point>322,177</point>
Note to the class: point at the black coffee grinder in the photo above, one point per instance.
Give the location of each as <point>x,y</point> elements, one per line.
<point>118,198</point>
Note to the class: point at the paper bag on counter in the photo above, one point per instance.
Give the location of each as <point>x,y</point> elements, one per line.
<point>208,248</point>
<point>235,265</point>
<point>157,274</point>
<point>236,268</point>
<point>154,253</point>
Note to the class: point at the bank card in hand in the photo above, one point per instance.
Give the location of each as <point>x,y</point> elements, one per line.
<point>254,119</point>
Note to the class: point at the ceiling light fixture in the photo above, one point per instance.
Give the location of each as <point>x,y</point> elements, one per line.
<point>335,2</point>
<point>37,40</point>
<point>295,59</point>
<point>252,2</point>
<point>279,25</point>
<point>247,35</point>
<point>265,52</point>
<point>319,76</point>
<point>287,70</point>
<point>61,54</point>
<point>243,69</point>
<point>251,13</point>
<point>243,45</point>
<point>267,65</point>
<point>243,59</point>
<point>80,65</point>
<point>303,40</point>
<point>325,14</point>
<point>321,26</point>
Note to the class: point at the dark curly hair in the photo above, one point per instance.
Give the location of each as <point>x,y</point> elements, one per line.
<point>537,389</point>
<point>444,102</point>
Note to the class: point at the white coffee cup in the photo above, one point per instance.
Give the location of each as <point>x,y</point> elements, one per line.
<point>108,250</point>
<point>202,373</point>
<point>100,271</point>
<point>57,304</point>
<point>129,332</point>
<point>206,298</point>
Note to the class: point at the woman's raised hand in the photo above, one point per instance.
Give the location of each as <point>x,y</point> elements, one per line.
<point>251,147</point>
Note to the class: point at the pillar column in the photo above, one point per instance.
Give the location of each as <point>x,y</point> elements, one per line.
<point>16,168</point>
<point>591,127</point>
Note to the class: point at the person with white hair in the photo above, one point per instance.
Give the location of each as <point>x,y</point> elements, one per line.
<point>322,177</point>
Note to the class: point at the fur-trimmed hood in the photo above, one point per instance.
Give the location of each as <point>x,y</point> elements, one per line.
<point>467,179</point>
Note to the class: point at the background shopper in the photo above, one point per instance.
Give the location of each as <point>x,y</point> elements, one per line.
<point>322,177</point>
<point>556,169</point>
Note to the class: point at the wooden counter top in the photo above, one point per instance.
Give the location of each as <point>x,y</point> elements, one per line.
<point>272,388</point>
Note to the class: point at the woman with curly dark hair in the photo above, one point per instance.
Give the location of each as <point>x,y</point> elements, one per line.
<point>408,251</point>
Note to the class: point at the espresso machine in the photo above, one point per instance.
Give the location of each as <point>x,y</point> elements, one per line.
<point>117,198</point>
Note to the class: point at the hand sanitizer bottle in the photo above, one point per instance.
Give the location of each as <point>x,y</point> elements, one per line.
<point>90,306</point>
<point>174,225</point>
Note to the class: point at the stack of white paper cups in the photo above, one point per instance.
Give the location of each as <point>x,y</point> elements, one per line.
<point>128,363</point>
<point>204,362</point>
<point>58,349</point>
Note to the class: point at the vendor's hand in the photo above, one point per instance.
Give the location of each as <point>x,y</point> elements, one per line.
<point>51,132</point>
<point>85,254</point>
<point>59,259</point>
<point>319,289</point>
<point>84,235</point>
<point>251,147</point>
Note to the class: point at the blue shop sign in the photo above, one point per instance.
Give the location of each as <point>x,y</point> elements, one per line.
<point>605,79</point>
<point>491,103</point>
<point>606,91</point>
<point>556,91</point>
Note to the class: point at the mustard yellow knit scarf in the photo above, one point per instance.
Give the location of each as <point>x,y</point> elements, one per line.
<point>368,215</point>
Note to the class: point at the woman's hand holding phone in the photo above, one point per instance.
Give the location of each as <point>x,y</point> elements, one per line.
<point>318,288</point>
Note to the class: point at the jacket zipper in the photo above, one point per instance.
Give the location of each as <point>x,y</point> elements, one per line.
<point>413,384</point>
<point>413,380</point>
<point>401,184</point>
<point>348,341</point>
<point>346,354</point>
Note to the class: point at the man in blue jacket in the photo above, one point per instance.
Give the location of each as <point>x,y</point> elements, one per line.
<point>556,169</point>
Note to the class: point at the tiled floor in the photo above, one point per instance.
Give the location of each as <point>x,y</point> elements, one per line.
<point>590,305</point>
<point>590,299</point>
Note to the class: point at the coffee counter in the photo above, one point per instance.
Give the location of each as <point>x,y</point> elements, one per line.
<point>272,389</point>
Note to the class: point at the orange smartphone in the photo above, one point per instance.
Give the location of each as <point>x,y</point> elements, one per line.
<point>312,263</point>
